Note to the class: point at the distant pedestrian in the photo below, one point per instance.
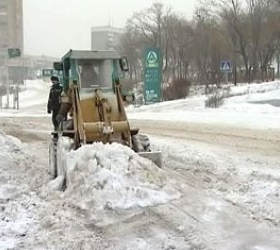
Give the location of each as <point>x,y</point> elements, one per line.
<point>54,101</point>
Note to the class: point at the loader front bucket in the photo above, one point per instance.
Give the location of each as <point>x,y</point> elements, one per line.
<point>155,157</point>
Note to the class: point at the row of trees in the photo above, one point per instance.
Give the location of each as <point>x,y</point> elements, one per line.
<point>247,32</point>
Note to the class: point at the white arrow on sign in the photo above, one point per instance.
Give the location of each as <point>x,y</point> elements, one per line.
<point>226,67</point>
<point>152,57</point>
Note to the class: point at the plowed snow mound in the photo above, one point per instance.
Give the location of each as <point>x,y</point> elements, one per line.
<point>10,146</point>
<point>113,176</point>
<point>15,214</point>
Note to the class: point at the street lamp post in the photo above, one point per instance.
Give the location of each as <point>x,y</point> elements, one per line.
<point>7,82</point>
<point>235,71</point>
<point>235,67</point>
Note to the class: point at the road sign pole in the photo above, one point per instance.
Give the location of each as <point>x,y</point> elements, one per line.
<point>225,67</point>
<point>17,96</point>
<point>14,98</point>
<point>7,83</point>
<point>226,73</point>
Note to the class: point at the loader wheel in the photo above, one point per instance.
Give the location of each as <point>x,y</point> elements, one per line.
<point>53,158</point>
<point>140,143</point>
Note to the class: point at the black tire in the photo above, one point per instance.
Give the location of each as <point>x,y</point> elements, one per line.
<point>53,158</point>
<point>140,143</point>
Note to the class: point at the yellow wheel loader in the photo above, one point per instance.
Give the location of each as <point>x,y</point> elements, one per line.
<point>92,108</point>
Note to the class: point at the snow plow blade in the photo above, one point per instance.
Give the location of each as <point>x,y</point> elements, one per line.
<point>155,157</point>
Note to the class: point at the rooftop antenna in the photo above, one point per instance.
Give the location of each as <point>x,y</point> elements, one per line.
<point>109,18</point>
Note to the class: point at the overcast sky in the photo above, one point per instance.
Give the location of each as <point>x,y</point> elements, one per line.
<point>53,27</point>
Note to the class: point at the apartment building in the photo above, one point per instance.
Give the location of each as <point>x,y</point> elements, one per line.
<point>11,26</point>
<point>105,38</point>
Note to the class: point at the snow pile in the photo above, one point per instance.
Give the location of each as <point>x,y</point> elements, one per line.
<point>15,210</point>
<point>10,148</point>
<point>242,93</point>
<point>114,177</point>
<point>255,88</point>
<point>250,105</point>
<point>249,97</point>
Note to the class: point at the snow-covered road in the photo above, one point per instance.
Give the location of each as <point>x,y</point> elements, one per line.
<point>221,166</point>
<point>230,177</point>
<point>229,194</point>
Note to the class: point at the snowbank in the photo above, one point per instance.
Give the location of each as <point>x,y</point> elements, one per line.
<point>9,147</point>
<point>247,105</point>
<point>255,88</point>
<point>16,217</point>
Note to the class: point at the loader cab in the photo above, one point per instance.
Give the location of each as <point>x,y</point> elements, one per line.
<point>95,74</point>
<point>92,70</point>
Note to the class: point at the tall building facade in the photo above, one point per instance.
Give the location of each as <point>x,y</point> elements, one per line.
<point>105,38</point>
<point>11,26</point>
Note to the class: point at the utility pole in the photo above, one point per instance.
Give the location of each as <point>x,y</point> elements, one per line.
<point>11,53</point>
<point>17,97</point>
<point>7,81</point>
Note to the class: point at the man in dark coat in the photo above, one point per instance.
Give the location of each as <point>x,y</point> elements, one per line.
<point>54,101</point>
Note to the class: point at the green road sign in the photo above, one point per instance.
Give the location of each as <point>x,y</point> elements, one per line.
<point>153,72</point>
<point>14,52</point>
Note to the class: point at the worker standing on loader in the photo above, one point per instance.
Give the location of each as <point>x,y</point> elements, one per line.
<point>54,101</point>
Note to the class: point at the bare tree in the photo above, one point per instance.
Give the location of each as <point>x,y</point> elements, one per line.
<point>131,47</point>
<point>248,25</point>
<point>177,45</point>
<point>148,23</point>
<point>246,32</point>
